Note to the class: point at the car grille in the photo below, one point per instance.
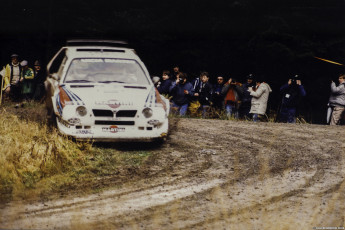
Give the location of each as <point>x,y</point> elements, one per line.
<point>114,122</point>
<point>109,113</point>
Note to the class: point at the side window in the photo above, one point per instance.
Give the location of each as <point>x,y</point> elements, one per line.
<point>56,64</point>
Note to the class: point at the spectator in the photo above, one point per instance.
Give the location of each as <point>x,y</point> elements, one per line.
<point>203,93</point>
<point>165,83</point>
<point>292,92</point>
<point>12,78</point>
<point>176,71</point>
<point>231,90</point>
<point>197,81</point>
<point>39,78</point>
<point>260,94</point>
<point>217,97</point>
<point>336,101</point>
<point>28,83</point>
<point>182,91</point>
<point>246,98</point>
<point>156,81</point>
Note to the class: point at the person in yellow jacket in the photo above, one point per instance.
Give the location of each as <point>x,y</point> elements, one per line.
<point>27,85</point>
<point>12,78</point>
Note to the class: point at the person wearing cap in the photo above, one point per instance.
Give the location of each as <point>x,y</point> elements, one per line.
<point>156,81</point>
<point>39,78</point>
<point>12,77</point>
<point>260,94</point>
<point>246,98</point>
<point>292,91</point>
<point>27,84</point>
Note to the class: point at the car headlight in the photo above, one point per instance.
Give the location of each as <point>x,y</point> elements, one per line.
<point>81,111</point>
<point>147,112</point>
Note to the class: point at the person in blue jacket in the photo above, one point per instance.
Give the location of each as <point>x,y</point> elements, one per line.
<point>165,83</point>
<point>292,92</point>
<point>181,91</point>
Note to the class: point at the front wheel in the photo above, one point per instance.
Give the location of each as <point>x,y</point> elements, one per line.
<point>51,117</point>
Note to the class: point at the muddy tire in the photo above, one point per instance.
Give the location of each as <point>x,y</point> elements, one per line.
<point>51,118</point>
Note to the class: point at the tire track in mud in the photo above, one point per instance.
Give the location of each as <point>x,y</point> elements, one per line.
<point>247,175</point>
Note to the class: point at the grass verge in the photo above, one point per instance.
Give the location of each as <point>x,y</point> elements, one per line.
<point>36,161</point>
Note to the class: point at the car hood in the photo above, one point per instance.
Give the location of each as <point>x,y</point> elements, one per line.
<point>111,95</point>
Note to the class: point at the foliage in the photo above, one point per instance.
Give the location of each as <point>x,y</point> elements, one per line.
<point>35,159</point>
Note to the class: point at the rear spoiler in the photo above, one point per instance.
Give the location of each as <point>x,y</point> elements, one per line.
<point>94,42</point>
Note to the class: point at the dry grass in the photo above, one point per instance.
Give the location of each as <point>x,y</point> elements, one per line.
<point>35,159</point>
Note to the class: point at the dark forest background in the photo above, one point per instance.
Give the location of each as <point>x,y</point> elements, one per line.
<point>273,39</point>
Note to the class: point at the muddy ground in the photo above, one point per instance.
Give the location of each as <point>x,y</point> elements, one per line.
<point>212,174</point>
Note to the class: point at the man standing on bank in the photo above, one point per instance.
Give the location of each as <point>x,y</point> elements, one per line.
<point>336,101</point>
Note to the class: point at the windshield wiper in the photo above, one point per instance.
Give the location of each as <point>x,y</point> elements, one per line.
<point>77,81</point>
<point>110,82</point>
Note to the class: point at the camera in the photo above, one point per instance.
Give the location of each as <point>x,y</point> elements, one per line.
<point>294,79</point>
<point>181,80</point>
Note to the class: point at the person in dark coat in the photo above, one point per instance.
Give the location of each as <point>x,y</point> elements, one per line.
<point>175,72</point>
<point>203,94</point>
<point>217,97</point>
<point>165,83</point>
<point>293,91</point>
<point>246,98</point>
<point>39,79</point>
<point>181,92</point>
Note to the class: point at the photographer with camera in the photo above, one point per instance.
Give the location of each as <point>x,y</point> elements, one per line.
<point>181,91</point>
<point>292,92</point>
<point>260,93</point>
<point>336,101</point>
<point>246,98</point>
<point>203,93</point>
<point>232,91</point>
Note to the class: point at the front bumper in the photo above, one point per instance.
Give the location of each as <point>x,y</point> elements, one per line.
<point>111,133</point>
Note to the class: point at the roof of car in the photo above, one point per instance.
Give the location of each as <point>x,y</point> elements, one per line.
<point>94,42</point>
<point>99,48</point>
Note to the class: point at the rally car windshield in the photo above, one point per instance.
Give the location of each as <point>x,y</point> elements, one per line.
<point>105,70</point>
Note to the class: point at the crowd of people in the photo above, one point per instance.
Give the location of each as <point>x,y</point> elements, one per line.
<point>21,82</point>
<point>247,100</point>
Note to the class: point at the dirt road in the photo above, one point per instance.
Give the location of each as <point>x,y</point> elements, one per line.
<point>214,174</point>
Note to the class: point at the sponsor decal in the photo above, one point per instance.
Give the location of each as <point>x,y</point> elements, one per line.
<point>66,97</point>
<point>113,103</point>
<point>74,120</point>
<point>153,122</point>
<point>113,129</point>
<point>84,132</point>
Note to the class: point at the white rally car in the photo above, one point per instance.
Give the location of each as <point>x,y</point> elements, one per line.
<point>102,91</point>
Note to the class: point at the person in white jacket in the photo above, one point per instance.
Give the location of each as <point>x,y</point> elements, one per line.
<point>260,95</point>
<point>336,102</point>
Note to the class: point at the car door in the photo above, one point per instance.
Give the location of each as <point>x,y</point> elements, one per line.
<point>54,69</point>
